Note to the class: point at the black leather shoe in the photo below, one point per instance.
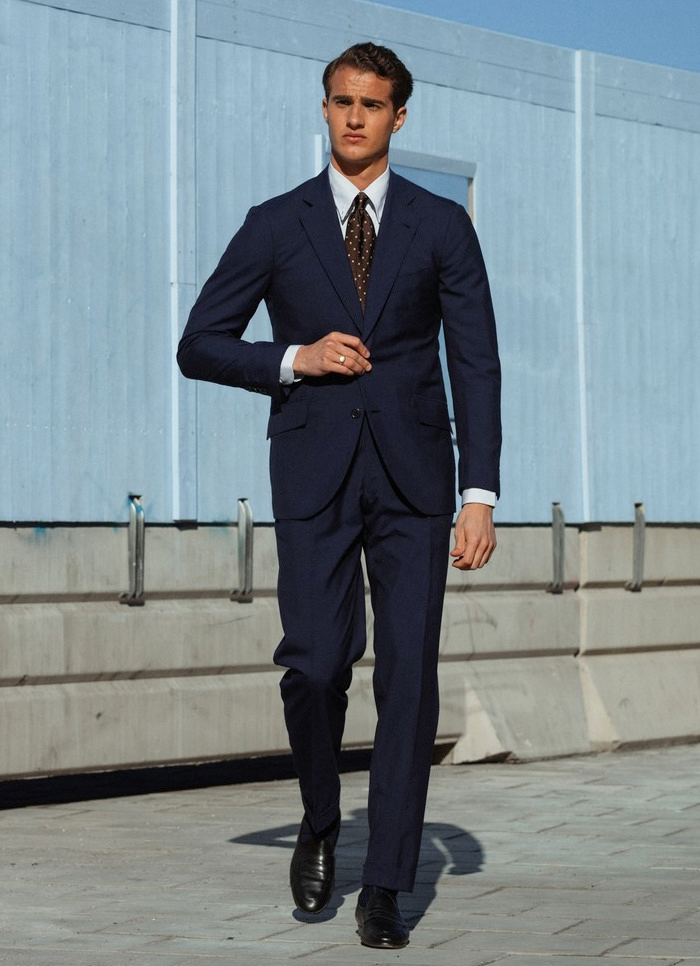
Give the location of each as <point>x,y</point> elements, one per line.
<point>380,924</point>
<point>312,873</point>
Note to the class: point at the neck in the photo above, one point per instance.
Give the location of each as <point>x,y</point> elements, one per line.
<point>363,176</point>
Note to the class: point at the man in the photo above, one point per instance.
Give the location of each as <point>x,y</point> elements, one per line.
<point>357,268</point>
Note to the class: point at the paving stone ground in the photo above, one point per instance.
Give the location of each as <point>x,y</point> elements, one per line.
<point>569,862</point>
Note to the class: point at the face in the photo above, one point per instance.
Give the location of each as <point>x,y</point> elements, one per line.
<point>361,119</point>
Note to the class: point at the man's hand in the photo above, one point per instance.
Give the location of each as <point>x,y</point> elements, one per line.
<point>475,537</point>
<point>335,352</point>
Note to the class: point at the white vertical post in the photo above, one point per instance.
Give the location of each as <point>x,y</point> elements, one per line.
<point>585,267</point>
<point>183,39</point>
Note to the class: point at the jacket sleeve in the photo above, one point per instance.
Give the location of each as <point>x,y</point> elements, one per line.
<point>212,347</point>
<point>472,354</point>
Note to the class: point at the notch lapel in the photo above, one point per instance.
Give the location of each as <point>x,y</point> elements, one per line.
<point>399,223</point>
<point>320,221</point>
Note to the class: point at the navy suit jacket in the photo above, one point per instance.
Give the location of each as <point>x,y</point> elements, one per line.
<point>427,268</point>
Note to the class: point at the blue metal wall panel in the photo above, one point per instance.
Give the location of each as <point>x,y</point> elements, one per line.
<point>439,51</point>
<point>153,13</point>
<point>644,390</point>
<point>86,376</point>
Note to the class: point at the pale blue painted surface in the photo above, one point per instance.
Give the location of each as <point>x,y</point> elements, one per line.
<point>85,287</point>
<point>109,242</point>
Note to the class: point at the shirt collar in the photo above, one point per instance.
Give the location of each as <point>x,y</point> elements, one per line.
<point>345,192</point>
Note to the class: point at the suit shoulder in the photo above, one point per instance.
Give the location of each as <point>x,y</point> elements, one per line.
<point>289,199</point>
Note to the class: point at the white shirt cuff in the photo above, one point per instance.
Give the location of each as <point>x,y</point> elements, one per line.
<point>475,495</point>
<point>287,377</point>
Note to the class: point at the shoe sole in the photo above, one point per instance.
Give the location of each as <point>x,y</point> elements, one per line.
<point>382,945</point>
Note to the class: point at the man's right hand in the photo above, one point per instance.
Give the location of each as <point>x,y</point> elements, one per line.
<point>336,352</point>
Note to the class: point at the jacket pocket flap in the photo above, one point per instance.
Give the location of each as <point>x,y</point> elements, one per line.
<point>290,416</point>
<point>432,411</point>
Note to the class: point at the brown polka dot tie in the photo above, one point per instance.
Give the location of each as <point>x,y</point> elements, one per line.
<point>359,241</point>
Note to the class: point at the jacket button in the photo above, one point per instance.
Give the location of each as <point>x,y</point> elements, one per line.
<point>356,413</point>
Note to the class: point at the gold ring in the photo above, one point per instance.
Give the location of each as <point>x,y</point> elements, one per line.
<point>341,360</point>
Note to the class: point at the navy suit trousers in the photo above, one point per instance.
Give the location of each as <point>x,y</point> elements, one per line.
<point>322,605</point>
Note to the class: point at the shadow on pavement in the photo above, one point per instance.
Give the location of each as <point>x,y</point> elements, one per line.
<point>445,850</point>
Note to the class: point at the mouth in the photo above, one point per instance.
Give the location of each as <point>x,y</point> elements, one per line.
<point>353,138</point>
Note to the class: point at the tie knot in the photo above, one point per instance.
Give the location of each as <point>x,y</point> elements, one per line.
<point>361,202</point>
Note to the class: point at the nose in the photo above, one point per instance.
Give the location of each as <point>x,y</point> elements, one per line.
<point>355,116</point>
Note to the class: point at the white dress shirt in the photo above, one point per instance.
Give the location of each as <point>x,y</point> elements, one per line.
<point>344,194</point>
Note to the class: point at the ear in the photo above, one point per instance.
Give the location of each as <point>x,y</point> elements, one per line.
<point>399,118</point>
<point>324,107</point>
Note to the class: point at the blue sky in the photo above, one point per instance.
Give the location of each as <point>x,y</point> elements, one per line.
<point>658,31</point>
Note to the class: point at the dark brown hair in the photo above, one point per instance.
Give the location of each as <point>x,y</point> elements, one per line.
<point>380,61</point>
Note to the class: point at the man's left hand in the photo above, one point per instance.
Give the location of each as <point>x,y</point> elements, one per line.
<point>475,537</point>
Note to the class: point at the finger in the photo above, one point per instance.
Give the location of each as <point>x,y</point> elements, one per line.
<point>472,549</point>
<point>351,342</point>
<point>465,560</point>
<point>463,563</point>
<point>344,369</point>
<point>356,363</point>
<point>476,555</point>
<point>460,542</point>
<point>349,361</point>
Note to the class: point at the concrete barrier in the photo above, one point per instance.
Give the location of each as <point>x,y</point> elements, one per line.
<point>87,683</point>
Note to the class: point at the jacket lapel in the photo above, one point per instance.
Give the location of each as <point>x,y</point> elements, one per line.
<point>320,221</point>
<point>399,223</point>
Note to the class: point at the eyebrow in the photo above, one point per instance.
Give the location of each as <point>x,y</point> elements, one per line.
<point>366,101</point>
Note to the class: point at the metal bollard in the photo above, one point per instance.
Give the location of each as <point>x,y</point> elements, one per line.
<point>558,532</point>
<point>244,594</point>
<point>635,585</point>
<point>137,540</point>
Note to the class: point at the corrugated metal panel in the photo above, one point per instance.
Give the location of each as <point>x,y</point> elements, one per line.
<point>439,52</point>
<point>644,348</point>
<point>85,287</point>
<point>154,13</point>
